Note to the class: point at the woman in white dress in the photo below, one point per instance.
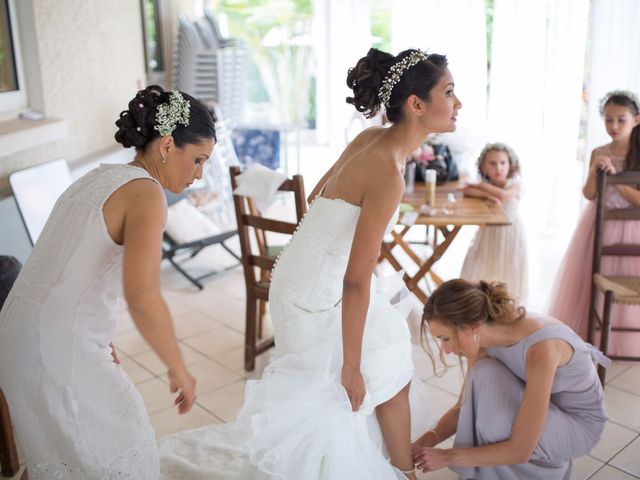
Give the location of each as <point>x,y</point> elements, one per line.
<point>343,352</point>
<point>77,414</point>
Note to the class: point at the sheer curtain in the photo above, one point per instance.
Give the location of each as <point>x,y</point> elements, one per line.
<point>613,62</point>
<point>535,99</point>
<point>439,27</point>
<point>341,36</point>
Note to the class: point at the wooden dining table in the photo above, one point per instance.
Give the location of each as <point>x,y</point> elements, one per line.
<point>467,211</point>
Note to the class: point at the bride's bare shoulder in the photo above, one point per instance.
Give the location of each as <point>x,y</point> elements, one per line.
<point>367,135</point>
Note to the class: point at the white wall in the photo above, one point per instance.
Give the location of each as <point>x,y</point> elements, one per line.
<point>91,63</point>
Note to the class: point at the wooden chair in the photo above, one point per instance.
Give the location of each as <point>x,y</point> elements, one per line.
<point>8,451</point>
<point>261,257</point>
<point>617,289</point>
<point>9,464</point>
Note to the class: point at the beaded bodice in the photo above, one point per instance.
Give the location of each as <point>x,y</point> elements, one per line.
<point>308,274</point>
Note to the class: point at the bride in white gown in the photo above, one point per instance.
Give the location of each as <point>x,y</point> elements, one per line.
<point>343,351</point>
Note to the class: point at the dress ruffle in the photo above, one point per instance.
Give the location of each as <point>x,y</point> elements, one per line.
<point>296,422</point>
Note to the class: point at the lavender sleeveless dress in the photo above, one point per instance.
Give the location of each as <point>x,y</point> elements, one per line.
<point>493,392</point>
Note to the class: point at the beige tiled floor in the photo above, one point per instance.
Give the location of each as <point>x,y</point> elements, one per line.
<point>209,324</point>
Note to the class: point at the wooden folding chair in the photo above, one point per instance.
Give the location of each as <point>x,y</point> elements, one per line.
<point>617,289</point>
<point>261,257</point>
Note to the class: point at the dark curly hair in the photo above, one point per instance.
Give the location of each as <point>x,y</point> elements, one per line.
<point>136,125</point>
<point>366,78</point>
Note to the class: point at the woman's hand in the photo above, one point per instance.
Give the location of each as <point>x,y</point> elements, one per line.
<point>114,354</point>
<point>429,439</point>
<point>353,383</point>
<point>430,459</point>
<point>183,382</point>
<point>603,163</point>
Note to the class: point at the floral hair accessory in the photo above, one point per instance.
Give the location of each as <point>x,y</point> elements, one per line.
<point>395,73</point>
<point>619,93</point>
<point>169,114</point>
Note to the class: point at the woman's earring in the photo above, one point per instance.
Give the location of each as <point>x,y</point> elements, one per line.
<point>164,159</point>
<point>476,339</point>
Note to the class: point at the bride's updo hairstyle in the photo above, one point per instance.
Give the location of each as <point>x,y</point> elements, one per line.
<point>461,304</point>
<point>366,78</point>
<point>137,125</point>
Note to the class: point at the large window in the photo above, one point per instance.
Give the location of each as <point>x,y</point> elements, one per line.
<point>278,37</point>
<point>152,33</point>
<point>12,91</point>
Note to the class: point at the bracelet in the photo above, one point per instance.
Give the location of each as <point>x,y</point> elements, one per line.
<point>435,434</point>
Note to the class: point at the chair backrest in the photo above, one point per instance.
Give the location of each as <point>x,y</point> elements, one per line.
<point>9,464</point>
<point>36,190</point>
<point>249,218</point>
<point>631,178</point>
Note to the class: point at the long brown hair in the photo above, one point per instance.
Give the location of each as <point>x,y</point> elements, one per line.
<point>462,304</point>
<point>632,160</point>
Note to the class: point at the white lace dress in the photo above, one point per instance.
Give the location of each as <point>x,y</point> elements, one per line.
<point>297,422</point>
<point>77,414</point>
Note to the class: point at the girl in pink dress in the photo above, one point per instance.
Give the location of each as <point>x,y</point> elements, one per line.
<point>569,300</point>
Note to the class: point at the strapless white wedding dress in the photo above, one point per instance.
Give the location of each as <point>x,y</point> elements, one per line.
<point>296,422</point>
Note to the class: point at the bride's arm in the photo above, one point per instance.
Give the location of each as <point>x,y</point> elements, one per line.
<point>383,195</point>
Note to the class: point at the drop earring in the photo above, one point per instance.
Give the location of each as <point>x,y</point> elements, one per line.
<point>164,159</point>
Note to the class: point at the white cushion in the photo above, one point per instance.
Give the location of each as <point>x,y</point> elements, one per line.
<point>185,223</point>
<point>260,183</point>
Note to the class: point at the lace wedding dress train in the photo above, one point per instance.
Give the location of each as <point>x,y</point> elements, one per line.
<point>296,422</point>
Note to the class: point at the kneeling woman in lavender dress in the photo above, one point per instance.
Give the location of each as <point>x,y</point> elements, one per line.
<point>531,400</point>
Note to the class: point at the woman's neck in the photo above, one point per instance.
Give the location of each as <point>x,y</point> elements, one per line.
<point>406,138</point>
<point>498,335</point>
<point>148,164</point>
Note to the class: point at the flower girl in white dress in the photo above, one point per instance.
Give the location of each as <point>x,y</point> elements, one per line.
<point>499,253</point>
<point>336,393</point>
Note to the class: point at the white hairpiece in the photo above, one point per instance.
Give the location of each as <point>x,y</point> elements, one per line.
<point>619,93</point>
<point>169,114</point>
<point>395,73</point>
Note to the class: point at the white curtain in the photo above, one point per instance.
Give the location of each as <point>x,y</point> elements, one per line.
<point>536,77</point>
<point>341,36</point>
<point>439,27</point>
<point>614,61</point>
